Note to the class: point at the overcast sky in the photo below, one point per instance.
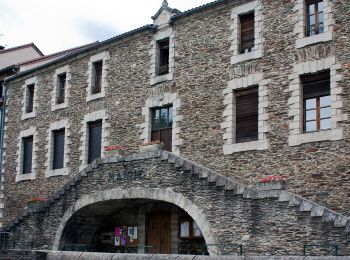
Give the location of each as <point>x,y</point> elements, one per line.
<point>55,25</point>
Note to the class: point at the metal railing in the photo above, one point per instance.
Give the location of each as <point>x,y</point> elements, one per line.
<point>330,248</point>
<point>4,240</point>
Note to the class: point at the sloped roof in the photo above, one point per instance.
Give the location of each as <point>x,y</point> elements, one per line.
<point>22,47</point>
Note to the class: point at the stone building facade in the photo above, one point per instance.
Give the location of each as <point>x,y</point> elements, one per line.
<point>191,67</point>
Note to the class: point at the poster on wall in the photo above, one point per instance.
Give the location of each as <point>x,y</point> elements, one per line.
<point>117,241</point>
<point>117,231</point>
<point>124,240</point>
<point>132,232</point>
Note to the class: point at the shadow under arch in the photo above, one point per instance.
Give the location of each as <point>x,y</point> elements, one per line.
<point>167,195</point>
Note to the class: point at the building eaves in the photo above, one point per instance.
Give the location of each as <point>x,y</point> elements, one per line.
<point>71,55</point>
<point>199,9</point>
<point>53,55</point>
<point>8,68</point>
<point>22,47</point>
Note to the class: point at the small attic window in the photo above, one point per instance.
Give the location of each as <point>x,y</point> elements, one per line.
<point>163,57</point>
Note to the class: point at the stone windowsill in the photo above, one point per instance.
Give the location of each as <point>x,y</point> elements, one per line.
<point>159,79</point>
<point>25,177</point>
<point>59,106</point>
<point>323,37</point>
<point>246,56</point>
<point>247,146</point>
<point>327,135</point>
<point>96,96</point>
<point>29,115</point>
<point>57,172</point>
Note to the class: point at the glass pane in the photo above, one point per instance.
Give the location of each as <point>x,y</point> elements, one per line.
<point>325,124</point>
<point>185,229</point>
<point>310,115</point>
<point>311,20</point>
<point>163,117</point>
<point>325,112</point>
<point>320,17</point>
<point>320,28</point>
<point>155,119</point>
<point>320,7</point>
<point>170,116</point>
<point>310,104</point>
<point>325,101</point>
<point>196,231</point>
<point>311,9</point>
<point>310,126</point>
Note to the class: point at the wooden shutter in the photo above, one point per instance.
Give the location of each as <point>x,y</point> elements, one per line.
<point>58,150</point>
<point>97,87</point>
<point>30,98</point>
<point>27,154</point>
<point>62,87</point>
<point>247,32</point>
<point>316,85</point>
<point>247,115</point>
<point>95,138</point>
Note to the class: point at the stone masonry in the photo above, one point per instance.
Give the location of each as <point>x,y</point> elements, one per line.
<point>202,73</point>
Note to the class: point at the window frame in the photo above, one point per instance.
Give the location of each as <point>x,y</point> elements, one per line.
<point>55,164</point>
<point>97,58</point>
<point>90,125</point>
<point>62,84</point>
<point>168,127</point>
<point>20,175</point>
<point>55,126</point>
<point>25,155</point>
<point>31,82</point>
<point>55,105</point>
<point>296,104</point>
<point>229,114</point>
<point>308,3</point>
<point>251,47</point>
<point>97,67</point>
<point>161,57</point>
<point>257,50</point>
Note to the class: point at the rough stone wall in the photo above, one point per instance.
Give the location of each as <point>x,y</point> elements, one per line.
<point>264,226</point>
<point>319,171</point>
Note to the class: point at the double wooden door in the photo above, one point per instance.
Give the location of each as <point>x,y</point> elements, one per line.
<point>159,237</point>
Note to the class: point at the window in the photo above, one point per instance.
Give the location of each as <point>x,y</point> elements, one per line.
<point>247,32</point>
<point>189,229</point>
<point>58,149</point>
<point>30,98</point>
<point>95,138</point>
<point>61,81</point>
<point>162,123</point>
<point>314,17</point>
<point>97,77</point>
<point>163,48</point>
<point>317,101</point>
<point>247,115</point>
<point>27,154</point>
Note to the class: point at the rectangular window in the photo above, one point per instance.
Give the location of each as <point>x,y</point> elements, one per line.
<point>163,62</point>
<point>58,149</point>
<point>95,139</point>
<point>247,114</point>
<point>247,32</point>
<point>27,154</point>
<point>97,77</point>
<point>162,126</point>
<point>314,17</point>
<point>61,88</point>
<point>30,98</point>
<point>317,101</point>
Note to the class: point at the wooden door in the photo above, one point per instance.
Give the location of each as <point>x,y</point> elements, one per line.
<point>159,233</point>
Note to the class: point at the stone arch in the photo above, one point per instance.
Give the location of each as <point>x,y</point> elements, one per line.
<point>167,195</point>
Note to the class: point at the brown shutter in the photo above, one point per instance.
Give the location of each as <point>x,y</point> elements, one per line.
<point>27,154</point>
<point>316,85</point>
<point>95,139</point>
<point>247,32</point>
<point>247,115</point>
<point>58,150</point>
<point>30,98</point>
<point>97,77</point>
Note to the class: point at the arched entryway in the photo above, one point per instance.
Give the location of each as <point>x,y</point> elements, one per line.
<point>139,220</point>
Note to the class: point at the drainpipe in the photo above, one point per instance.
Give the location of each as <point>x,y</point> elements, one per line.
<point>3,112</point>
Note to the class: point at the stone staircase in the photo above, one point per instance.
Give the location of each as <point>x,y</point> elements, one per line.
<point>212,178</point>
